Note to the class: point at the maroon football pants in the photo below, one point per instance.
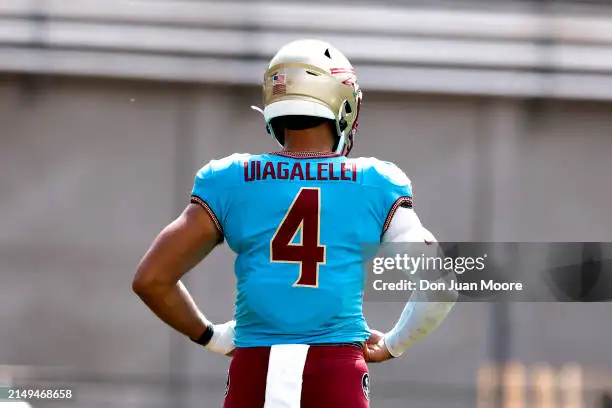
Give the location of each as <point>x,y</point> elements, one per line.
<point>333,377</point>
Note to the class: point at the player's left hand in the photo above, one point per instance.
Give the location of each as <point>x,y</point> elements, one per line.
<point>375,350</point>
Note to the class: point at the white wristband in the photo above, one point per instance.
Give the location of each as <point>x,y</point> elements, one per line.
<point>222,341</point>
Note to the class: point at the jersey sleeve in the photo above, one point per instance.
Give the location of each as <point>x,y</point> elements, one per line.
<point>206,193</point>
<point>212,188</point>
<point>395,190</point>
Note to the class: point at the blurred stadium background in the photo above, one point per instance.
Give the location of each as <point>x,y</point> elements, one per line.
<point>499,111</point>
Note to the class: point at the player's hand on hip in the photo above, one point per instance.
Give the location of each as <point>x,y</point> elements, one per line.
<point>375,337</point>
<point>375,349</point>
<point>222,341</point>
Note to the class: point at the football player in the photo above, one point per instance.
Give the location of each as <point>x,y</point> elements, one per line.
<point>296,219</point>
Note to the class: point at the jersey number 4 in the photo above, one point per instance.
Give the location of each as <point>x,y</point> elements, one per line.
<point>302,221</point>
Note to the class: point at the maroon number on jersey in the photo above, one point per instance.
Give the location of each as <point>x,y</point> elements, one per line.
<point>303,215</point>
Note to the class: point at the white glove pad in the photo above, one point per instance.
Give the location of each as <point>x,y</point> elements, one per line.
<point>222,341</point>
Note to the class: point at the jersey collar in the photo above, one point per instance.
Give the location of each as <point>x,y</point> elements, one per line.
<point>306,155</point>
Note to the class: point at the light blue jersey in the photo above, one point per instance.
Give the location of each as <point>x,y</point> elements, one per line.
<point>297,223</point>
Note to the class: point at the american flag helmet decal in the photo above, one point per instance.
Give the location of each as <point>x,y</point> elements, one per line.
<point>279,87</point>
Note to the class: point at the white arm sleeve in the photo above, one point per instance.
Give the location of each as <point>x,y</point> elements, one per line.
<point>424,311</point>
<point>405,226</point>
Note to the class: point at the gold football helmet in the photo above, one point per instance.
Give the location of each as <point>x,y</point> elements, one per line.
<point>312,78</point>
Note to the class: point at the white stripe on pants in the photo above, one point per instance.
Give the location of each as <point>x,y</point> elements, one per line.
<point>284,380</point>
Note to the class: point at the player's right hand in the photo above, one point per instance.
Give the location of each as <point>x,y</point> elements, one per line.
<point>222,341</point>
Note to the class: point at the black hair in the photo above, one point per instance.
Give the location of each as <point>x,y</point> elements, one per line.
<point>295,122</point>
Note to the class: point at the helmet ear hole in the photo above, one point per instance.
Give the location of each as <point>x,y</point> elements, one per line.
<point>347,107</point>
<point>343,124</point>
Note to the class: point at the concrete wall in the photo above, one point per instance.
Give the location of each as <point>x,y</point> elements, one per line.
<point>91,170</point>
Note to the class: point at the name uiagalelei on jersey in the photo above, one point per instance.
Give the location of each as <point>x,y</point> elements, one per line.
<point>322,171</point>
